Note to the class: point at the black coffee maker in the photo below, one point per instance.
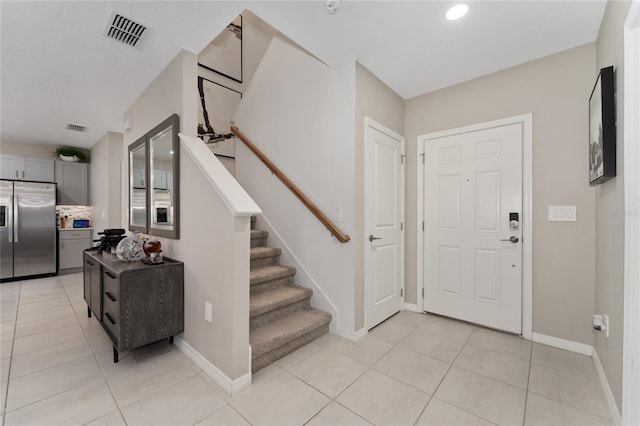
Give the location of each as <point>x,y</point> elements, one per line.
<point>110,239</point>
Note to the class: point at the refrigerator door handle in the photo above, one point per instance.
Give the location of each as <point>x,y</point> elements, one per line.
<point>16,218</point>
<point>9,211</point>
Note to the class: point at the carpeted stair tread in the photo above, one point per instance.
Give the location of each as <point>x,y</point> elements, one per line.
<point>255,234</point>
<point>274,299</point>
<point>270,273</point>
<point>277,333</point>
<point>262,252</point>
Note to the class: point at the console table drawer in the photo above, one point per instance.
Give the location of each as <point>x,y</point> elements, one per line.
<point>112,325</point>
<point>111,284</point>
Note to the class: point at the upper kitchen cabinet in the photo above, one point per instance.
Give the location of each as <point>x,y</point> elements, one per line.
<point>73,183</point>
<point>26,168</point>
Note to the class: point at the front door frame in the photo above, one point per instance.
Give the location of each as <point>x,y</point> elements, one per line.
<point>527,209</point>
<point>368,122</point>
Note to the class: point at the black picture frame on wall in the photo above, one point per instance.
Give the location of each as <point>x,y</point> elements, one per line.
<point>602,128</point>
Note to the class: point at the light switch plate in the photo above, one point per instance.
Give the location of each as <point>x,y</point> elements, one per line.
<point>562,214</point>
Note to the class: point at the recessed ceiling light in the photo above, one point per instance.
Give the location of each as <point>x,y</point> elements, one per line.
<point>457,12</point>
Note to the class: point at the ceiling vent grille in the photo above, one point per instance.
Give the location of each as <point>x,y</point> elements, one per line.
<point>124,30</point>
<point>76,128</point>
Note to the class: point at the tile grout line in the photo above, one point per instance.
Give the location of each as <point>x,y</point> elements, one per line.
<point>95,357</point>
<point>526,394</point>
<point>447,373</point>
<point>13,339</point>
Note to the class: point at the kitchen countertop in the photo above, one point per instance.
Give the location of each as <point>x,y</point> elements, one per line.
<point>74,229</point>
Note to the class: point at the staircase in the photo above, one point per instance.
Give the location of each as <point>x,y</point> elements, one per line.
<point>281,317</point>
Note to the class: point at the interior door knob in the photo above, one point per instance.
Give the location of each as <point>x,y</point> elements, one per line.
<point>371,238</point>
<point>512,239</point>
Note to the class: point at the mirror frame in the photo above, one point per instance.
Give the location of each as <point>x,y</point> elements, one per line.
<point>134,146</point>
<point>174,122</point>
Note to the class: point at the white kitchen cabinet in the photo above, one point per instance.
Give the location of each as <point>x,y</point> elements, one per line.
<point>72,243</point>
<point>159,179</point>
<point>73,183</point>
<point>26,168</point>
<point>138,178</point>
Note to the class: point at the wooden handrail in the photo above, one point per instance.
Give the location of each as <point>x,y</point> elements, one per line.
<point>340,236</point>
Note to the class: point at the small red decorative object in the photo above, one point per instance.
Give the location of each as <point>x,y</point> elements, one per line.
<point>152,246</point>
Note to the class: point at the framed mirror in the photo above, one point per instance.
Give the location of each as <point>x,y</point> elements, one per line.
<point>154,181</point>
<point>164,152</point>
<point>137,185</point>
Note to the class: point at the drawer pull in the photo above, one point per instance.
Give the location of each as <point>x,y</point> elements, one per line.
<point>111,320</point>
<point>110,275</point>
<point>110,296</point>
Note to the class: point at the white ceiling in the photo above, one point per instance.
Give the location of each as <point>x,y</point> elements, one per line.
<point>58,68</point>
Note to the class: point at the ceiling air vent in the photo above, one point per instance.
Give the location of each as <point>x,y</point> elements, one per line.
<point>76,128</point>
<point>124,30</point>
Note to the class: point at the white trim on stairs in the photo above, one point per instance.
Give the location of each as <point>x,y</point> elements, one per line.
<point>613,408</point>
<point>234,195</point>
<point>229,385</point>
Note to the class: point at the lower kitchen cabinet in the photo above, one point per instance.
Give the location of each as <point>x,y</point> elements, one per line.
<point>136,303</point>
<point>72,242</point>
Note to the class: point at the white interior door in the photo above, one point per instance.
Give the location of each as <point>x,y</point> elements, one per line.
<point>384,201</point>
<point>473,256</point>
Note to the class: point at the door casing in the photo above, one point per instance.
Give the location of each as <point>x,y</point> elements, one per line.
<point>527,210</point>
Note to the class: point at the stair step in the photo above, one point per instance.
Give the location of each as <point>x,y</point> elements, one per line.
<point>267,278</point>
<point>259,238</point>
<point>272,305</point>
<point>279,338</point>
<point>264,256</point>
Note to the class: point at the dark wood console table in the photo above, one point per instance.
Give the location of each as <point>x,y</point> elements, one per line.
<point>136,303</point>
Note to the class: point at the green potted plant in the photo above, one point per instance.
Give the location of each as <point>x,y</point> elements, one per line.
<point>69,153</point>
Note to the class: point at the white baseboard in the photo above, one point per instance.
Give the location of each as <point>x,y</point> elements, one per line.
<point>613,407</point>
<point>352,335</point>
<point>225,382</point>
<point>568,345</point>
<point>411,307</point>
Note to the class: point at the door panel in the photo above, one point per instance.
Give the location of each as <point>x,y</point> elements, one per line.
<point>472,271</point>
<point>383,221</point>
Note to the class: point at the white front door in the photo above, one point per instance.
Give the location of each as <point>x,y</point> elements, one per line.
<point>384,244</point>
<point>473,244</point>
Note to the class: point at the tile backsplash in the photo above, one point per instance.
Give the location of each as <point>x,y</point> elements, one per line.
<point>75,212</point>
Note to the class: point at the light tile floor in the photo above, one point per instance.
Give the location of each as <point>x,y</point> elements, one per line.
<point>57,369</point>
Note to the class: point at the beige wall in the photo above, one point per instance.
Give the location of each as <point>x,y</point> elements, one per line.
<point>208,247</point>
<point>609,290</point>
<point>106,181</point>
<point>292,131</point>
<point>377,101</point>
<point>257,35</point>
<point>556,90</point>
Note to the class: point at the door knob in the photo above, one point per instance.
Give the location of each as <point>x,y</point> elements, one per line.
<point>371,238</point>
<point>512,239</point>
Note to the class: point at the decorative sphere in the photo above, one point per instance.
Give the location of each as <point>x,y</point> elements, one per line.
<point>129,249</point>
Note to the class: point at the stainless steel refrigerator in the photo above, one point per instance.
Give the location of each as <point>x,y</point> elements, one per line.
<point>27,229</point>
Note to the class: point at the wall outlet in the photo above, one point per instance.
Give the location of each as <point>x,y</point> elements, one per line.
<point>606,325</point>
<point>208,312</point>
